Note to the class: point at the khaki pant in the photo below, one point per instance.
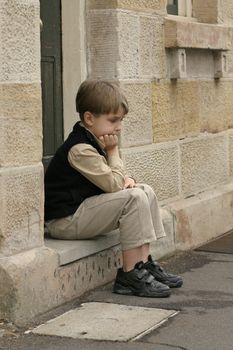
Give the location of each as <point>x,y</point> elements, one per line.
<point>134,211</point>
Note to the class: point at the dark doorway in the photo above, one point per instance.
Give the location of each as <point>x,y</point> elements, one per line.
<point>51,77</point>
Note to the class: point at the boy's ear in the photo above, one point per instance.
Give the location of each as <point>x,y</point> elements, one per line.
<point>88,118</point>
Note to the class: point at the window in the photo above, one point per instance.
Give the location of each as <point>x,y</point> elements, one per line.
<point>179,7</point>
<point>172,7</point>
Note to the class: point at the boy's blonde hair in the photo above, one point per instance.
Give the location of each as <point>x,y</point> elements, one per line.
<point>99,97</point>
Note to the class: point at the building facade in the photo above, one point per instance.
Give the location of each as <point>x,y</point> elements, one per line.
<point>176,69</point>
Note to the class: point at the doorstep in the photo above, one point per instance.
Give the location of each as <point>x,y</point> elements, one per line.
<point>72,250</point>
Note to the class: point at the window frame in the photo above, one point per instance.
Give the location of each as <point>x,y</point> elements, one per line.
<point>185,8</point>
<point>180,8</point>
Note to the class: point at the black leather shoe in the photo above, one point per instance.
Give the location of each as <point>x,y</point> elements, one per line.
<point>139,282</point>
<point>173,281</point>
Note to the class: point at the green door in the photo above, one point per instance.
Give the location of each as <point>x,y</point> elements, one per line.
<point>51,77</point>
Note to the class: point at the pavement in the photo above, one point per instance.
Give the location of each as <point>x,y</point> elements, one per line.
<point>203,321</point>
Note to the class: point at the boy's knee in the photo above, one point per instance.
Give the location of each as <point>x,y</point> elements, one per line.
<point>147,189</point>
<point>137,193</point>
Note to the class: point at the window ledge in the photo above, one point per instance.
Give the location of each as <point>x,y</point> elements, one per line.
<point>189,34</point>
<point>181,18</point>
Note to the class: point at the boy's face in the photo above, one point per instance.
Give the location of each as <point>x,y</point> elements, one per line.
<point>104,124</point>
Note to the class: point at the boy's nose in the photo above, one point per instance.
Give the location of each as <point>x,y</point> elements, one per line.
<point>118,129</point>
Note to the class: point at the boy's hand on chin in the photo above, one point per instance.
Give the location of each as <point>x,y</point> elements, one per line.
<point>109,141</point>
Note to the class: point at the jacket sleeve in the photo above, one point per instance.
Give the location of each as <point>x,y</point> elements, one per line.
<point>109,175</point>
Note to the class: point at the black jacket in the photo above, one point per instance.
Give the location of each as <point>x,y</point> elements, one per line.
<point>65,187</point>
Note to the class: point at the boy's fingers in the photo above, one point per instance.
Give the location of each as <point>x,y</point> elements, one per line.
<point>110,140</point>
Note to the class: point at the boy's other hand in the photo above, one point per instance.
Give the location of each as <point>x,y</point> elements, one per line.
<point>129,182</point>
<point>109,141</point>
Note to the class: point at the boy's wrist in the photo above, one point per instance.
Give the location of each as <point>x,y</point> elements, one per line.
<point>112,151</point>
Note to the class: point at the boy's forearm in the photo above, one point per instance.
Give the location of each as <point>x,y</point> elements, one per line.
<point>107,174</point>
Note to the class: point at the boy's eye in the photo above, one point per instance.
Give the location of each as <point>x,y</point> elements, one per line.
<point>115,120</point>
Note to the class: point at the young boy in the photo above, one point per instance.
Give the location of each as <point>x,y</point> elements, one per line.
<point>87,192</point>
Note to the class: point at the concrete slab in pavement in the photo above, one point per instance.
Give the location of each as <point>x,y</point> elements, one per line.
<point>106,321</point>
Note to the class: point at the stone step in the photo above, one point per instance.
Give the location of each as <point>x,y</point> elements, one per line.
<point>72,250</point>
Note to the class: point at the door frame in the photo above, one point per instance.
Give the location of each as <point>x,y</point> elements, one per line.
<point>51,78</point>
<point>74,57</point>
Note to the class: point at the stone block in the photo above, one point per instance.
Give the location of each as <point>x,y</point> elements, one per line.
<point>30,285</point>
<point>200,63</point>
<point>20,124</point>
<point>231,152</point>
<point>102,44</point>
<point>203,217</point>
<point>206,11</point>
<point>196,35</point>
<point>204,162</point>
<point>225,12</point>
<point>230,62</point>
<point>177,67</point>
<point>21,142</point>
<point>175,110</point>
<point>22,202</point>
<point>113,44</point>
<point>88,273</point>
<point>216,105</point>
<point>136,5</point>
<point>158,166</point>
<point>151,49</point>
<point>220,64</point>
<point>20,101</point>
<point>72,250</point>
<point>20,41</point>
<point>128,42</point>
<point>137,125</point>
<point>125,45</point>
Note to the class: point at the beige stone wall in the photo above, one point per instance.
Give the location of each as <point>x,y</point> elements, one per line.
<point>132,48</point>
<point>213,11</point>
<point>231,151</point>
<point>20,127</point>
<point>136,5</point>
<point>139,116</point>
<point>189,107</point>
<point>175,136</point>
<point>175,109</point>
<point>206,11</point>
<point>21,172</point>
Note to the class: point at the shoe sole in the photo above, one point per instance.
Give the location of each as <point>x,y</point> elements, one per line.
<point>170,284</point>
<point>177,284</point>
<point>125,291</point>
